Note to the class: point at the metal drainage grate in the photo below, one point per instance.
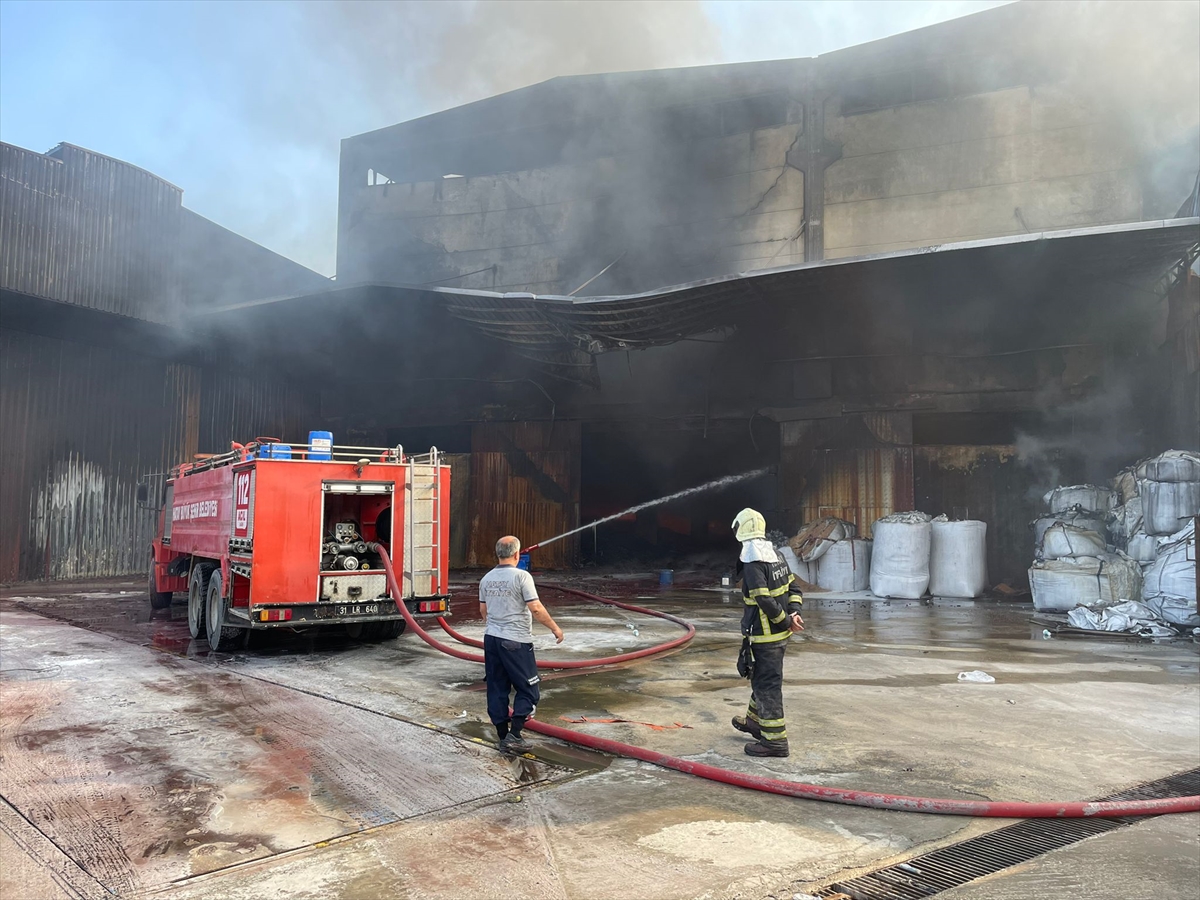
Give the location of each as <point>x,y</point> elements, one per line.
<point>924,876</point>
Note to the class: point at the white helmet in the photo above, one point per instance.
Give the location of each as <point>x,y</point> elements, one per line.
<point>749,524</point>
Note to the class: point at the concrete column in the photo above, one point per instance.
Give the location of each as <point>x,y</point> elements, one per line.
<point>812,155</point>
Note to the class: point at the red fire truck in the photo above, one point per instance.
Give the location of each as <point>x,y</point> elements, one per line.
<point>266,537</point>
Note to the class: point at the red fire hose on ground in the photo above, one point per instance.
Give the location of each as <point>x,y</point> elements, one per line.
<point>980,808</point>
<point>689,629</point>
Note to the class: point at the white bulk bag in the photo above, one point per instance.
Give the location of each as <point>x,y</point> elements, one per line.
<point>1059,585</point>
<point>1076,517</point>
<point>846,566</point>
<point>1172,466</point>
<point>1170,584</point>
<point>1141,547</point>
<point>1063,541</point>
<point>1167,505</point>
<point>799,567</point>
<point>958,558</point>
<point>900,557</point>
<point>1088,497</point>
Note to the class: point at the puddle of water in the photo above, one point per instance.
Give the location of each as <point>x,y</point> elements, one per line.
<point>565,756</point>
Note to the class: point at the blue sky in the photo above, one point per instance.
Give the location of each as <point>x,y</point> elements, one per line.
<point>243,104</point>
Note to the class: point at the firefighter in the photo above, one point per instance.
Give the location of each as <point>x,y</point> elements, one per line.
<point>508,603</point>
<point>771,616</point>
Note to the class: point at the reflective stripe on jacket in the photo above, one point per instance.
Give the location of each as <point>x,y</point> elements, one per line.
<point>771,596</point>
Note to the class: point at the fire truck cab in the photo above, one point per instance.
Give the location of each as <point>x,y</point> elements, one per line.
<point>267,537</point>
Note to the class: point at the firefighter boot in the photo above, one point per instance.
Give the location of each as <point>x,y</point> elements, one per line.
<point>747,726</point>
<point>767,748</point>
<point>514,743</point>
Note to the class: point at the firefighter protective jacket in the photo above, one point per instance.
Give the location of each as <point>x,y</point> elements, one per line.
<point>771,597</point>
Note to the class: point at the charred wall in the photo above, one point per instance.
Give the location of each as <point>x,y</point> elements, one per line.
<point>80,424</point>
<point>524,480</point>
<point>994,124</point>
<point>85,229</point>
<point>100,385</point>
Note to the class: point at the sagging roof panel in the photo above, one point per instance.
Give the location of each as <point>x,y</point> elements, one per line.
<point>1040,262</point>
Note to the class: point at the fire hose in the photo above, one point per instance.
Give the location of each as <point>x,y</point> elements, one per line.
<point>981,808</point>
<point>689,629</point>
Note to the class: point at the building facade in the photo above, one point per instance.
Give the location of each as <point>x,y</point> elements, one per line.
<point>101,382</point>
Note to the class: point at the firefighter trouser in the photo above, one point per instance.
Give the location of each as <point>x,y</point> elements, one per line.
<point>766,690</point>
<point>509,665</point>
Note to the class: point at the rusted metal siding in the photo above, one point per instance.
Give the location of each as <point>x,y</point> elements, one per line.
<point>80,424</point>
<point>460,508</point>
<point>89,230</point>
<point>524,481</point>
<point>859,485</point>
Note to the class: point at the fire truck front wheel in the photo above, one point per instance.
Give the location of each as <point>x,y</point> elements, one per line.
<point>220,635</point>
<point>198,597</point>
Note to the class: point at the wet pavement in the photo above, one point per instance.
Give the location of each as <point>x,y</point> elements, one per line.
<point>316,765</point>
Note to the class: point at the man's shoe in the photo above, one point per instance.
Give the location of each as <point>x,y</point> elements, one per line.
<point>511,743</point>
<point>746,726</point>
<point>767,748</point>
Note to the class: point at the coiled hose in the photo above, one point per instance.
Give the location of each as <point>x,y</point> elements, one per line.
<point>689,633</point>
<point>980,808</point>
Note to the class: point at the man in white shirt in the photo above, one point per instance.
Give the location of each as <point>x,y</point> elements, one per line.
<point>509,603</point>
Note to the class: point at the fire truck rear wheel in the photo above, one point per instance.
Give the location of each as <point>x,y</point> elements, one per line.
<point>158,599</point>
<point>198,598</point>
<point>220,636</point>
<point>386,631</point>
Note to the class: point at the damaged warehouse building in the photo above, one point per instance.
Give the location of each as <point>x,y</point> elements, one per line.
<point>944,271</point>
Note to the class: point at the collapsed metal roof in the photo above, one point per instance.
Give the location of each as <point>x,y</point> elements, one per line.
<point>566,333</point>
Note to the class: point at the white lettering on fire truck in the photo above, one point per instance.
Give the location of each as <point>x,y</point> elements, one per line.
<point>202,509</point>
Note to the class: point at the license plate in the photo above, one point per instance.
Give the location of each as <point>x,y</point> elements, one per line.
<point>361,609</point>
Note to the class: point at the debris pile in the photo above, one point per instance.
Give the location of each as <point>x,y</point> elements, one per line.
<point>1100,548</point>
<point>1127,616</point>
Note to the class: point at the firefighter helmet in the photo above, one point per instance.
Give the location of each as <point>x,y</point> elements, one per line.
<point>749,524</point>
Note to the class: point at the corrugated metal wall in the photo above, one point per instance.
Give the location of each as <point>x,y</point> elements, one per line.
<point>89,230</point>
<point>524,481</point>
<point>239,406</point>
<point>1183,348</point>
<point>859,485</point>
<point>460,508</point>
<point>78,426</point>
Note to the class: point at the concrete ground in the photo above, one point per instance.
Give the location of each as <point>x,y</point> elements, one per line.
<point>137,763</point>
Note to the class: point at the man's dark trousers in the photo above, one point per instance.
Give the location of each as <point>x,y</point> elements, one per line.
<point>509,665</point>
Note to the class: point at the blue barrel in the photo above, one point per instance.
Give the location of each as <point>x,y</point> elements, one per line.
<point>523,562</point>
<point>320,445</point>
<point>666,577</point>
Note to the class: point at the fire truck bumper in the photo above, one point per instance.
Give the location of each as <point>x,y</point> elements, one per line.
<point>330,613</point>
